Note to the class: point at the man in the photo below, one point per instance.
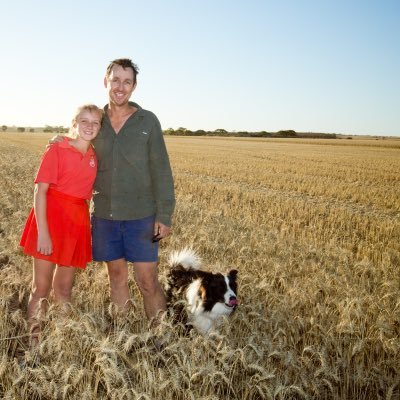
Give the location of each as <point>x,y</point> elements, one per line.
<point>133,192</point>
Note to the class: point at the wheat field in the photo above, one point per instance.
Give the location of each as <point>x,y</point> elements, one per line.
<point>313,227</point>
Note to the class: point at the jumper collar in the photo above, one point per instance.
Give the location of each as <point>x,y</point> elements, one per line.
<point>65,144</point>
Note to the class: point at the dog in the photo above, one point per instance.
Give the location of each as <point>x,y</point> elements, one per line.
<point>198,299</point>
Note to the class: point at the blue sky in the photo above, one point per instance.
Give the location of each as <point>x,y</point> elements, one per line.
<point>311,66</point>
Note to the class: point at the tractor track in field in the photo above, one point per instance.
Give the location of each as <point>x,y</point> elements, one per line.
<point>351,207</point>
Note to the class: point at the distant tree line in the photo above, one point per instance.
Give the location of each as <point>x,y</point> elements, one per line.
<point>19,129</point>
<point>47,128</point>
<point>55,129</point>
<point>222,132</point>
<point>218,132</point>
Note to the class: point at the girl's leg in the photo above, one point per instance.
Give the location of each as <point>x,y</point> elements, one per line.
<point>62,284</point>
<point>41,286</point>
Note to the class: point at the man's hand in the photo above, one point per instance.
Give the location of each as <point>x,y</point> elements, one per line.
<point>56,139</point>
<point>160,231</point>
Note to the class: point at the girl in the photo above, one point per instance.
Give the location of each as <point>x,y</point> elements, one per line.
<point>57,231</point>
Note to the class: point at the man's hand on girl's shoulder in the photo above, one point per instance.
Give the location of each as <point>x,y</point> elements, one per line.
<point>57,139</point>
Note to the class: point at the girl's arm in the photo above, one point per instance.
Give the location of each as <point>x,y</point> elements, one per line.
<point>44,244</point>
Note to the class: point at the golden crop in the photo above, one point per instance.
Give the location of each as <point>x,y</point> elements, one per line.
<point>313,226</point>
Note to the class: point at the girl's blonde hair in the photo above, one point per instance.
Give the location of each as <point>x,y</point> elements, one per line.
<point>86,107</point>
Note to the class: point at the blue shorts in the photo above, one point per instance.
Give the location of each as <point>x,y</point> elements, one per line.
<point>132,240</point>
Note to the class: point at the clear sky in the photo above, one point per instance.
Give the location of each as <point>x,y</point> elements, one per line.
<point>308,65</point>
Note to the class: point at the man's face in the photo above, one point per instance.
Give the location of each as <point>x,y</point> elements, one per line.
<point>120,85</point>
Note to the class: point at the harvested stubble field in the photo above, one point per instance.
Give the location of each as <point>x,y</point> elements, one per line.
<point>313,226</point>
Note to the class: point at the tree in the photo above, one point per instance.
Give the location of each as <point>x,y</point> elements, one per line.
<point>48,128</point>
<point>288,133</point>
<point>180,131</point>
<point>169,131</point>
<point>4,128</point>
<point>21,129</point>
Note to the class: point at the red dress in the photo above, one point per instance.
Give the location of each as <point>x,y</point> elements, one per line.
<point>71,176</point>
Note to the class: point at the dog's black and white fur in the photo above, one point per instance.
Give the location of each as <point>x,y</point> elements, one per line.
<point>199,298</point>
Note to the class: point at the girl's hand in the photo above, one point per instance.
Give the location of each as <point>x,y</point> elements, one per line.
<point>44,244</point>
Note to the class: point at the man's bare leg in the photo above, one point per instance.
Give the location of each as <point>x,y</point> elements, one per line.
<point>146,276</point>
<point>118,277</point>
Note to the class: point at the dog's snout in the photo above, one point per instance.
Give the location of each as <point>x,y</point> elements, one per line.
<point>233,301</point>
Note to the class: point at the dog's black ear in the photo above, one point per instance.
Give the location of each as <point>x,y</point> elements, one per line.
<point>232,279</point>
<point>233,274</point>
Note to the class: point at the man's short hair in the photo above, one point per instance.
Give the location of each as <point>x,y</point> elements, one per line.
<point>124,63</point>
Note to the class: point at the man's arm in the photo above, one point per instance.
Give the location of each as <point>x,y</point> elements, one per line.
<point>162,180</point>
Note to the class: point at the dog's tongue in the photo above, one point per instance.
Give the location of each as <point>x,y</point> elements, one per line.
<point>233,302</point>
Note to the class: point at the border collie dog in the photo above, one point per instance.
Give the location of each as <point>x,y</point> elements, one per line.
<point>198,298</point>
